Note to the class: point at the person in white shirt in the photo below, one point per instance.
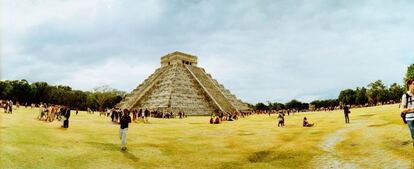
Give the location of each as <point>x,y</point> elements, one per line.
<point>407,107</point>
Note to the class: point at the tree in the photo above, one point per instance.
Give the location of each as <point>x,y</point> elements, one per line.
<point>331,103</point>
<point>316,104</point>
<point>261,106</point>
<point>5,89</point>
<point>278,106</point>
<point>275,106</point>
<point>78,99</point>
<point>347,96</point>
<point>106,96</point>
<point>304,106</point>
<point>91,101</point>
<point>40,92</point>
<point>21,91</point>
<point>294,104</point>
<point>361,96</point>
<point>376,92</point>
<point>395,92</point>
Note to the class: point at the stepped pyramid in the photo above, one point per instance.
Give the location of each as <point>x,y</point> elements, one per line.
<point>179,85</point>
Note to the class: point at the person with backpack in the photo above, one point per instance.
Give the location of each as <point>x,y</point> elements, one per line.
<point>346,113</point>
<point>407,107</point>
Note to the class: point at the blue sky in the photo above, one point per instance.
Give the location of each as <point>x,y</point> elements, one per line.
<point>259,50</point>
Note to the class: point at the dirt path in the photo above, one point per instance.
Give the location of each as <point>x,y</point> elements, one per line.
<point>378,157</point>
<point>330,158</point>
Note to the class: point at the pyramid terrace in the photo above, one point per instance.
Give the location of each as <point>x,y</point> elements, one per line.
<point>180,85</point>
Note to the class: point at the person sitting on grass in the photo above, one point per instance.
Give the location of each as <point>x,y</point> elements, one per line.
<point>306,123</point>
<point>217,120</point>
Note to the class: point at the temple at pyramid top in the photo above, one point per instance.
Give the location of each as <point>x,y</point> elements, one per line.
<point>178,58</point>
<point>180,85</point>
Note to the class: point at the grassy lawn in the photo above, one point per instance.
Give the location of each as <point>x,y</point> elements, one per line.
<point>376,138</point>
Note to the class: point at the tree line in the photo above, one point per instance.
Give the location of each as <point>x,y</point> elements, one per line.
<point>373,94</point>
<point>25,93</point>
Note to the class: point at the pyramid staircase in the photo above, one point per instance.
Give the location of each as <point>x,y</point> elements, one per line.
<point>211,89</point>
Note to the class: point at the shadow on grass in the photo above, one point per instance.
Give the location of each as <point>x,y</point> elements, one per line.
<point>405,143</point>
<point>367,115</point>
<point>259,156</point>
<point>130,156</point>
<point>61,128</point>
<point>267,156</point>
<point>233,164</point>
<point>199,123</point>
<point>379,125</point>
<point>113,147</point>
<point>105,146</point>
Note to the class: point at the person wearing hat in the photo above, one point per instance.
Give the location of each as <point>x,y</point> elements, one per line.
<point>407,106</point>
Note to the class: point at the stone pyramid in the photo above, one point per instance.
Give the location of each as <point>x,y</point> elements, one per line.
<point>180,85</point>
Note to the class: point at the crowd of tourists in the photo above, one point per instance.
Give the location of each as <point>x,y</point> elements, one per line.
<point>218,117</point>
<point>277,112</point>
<point>143,115</point>
<point>49,113</point>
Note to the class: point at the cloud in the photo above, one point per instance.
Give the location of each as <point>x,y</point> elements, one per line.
<point>261,51</point>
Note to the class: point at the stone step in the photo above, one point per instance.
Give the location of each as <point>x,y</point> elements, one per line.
<point>140,91</point>
<point>213,90</point>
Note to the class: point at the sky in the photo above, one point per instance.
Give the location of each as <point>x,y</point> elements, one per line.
<point>274,50</point>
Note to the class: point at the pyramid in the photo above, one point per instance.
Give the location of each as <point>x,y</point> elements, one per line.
<point>180,85</point>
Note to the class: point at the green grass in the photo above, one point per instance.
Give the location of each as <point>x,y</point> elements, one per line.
<point>253,142</point>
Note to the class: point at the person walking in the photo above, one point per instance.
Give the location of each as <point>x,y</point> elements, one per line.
<point>124,122</point>
<point>67,115</point>
<point>407,107</point>
<point>10,107</point>
<point>146,115</point>
<point>134,115</point>
<point>281,120</point>
<point>346,113</point>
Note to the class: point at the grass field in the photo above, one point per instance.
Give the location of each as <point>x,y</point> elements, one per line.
<point>376,138</point>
